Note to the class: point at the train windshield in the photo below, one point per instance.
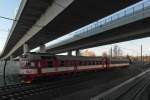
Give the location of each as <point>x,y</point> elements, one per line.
<point>35,60</point>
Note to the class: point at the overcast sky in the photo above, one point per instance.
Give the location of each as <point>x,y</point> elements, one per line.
<point>8,8</point>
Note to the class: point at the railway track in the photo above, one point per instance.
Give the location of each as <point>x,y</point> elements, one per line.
<point>129,90</point>
<point>20,91</point>
<point>53,88</point>
<point>135,91</point>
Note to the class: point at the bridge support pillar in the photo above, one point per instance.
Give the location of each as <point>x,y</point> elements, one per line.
<point>25,48</point>
<point>77,52</point>
<point>42,49</point>
<point>69,53</point>
<point>11,58</point>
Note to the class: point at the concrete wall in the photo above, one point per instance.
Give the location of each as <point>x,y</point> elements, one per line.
<point>12,70</point>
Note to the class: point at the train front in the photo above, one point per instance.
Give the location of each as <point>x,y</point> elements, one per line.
<point>29,67</point>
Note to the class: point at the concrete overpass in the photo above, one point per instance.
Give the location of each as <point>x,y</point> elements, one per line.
<point>40,21</point>
<point>128,24</point>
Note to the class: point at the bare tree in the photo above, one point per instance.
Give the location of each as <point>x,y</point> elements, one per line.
<point>117,51</point>
<point>88,53</point>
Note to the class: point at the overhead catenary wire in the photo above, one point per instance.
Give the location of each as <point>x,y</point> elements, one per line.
<point>7,18</point>
<point>140,52</point>
<point>15,20</point>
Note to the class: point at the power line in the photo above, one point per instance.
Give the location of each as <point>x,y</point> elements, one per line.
<point>20,22</point>
<point>7,18</point>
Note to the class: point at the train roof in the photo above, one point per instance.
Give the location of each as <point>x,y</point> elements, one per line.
<point>95,58</point>
<point>36,56</point>
<point>64,57</point>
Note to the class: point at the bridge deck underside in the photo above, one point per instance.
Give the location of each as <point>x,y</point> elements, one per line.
<point>135,30</point>
<point>77,15</point>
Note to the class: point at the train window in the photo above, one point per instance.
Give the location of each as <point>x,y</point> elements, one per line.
<point>50,64</point>
<point>93,62</point>
<point>78,62</point>
<point>23,64</point>
<point>67,63</point>
<point>97,62</point>
<point>27,63</point>
<point>88,63</point>
<point>101,62</point>
<point>82,63</point>
<point>62,63</point>
<point>85,63</point>
<point>73,63</point>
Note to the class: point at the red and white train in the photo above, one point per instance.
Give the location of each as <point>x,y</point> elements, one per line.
<point>36,65</point>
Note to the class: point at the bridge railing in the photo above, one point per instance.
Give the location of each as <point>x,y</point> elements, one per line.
<point>129,11</point>
<point>130,14</point>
